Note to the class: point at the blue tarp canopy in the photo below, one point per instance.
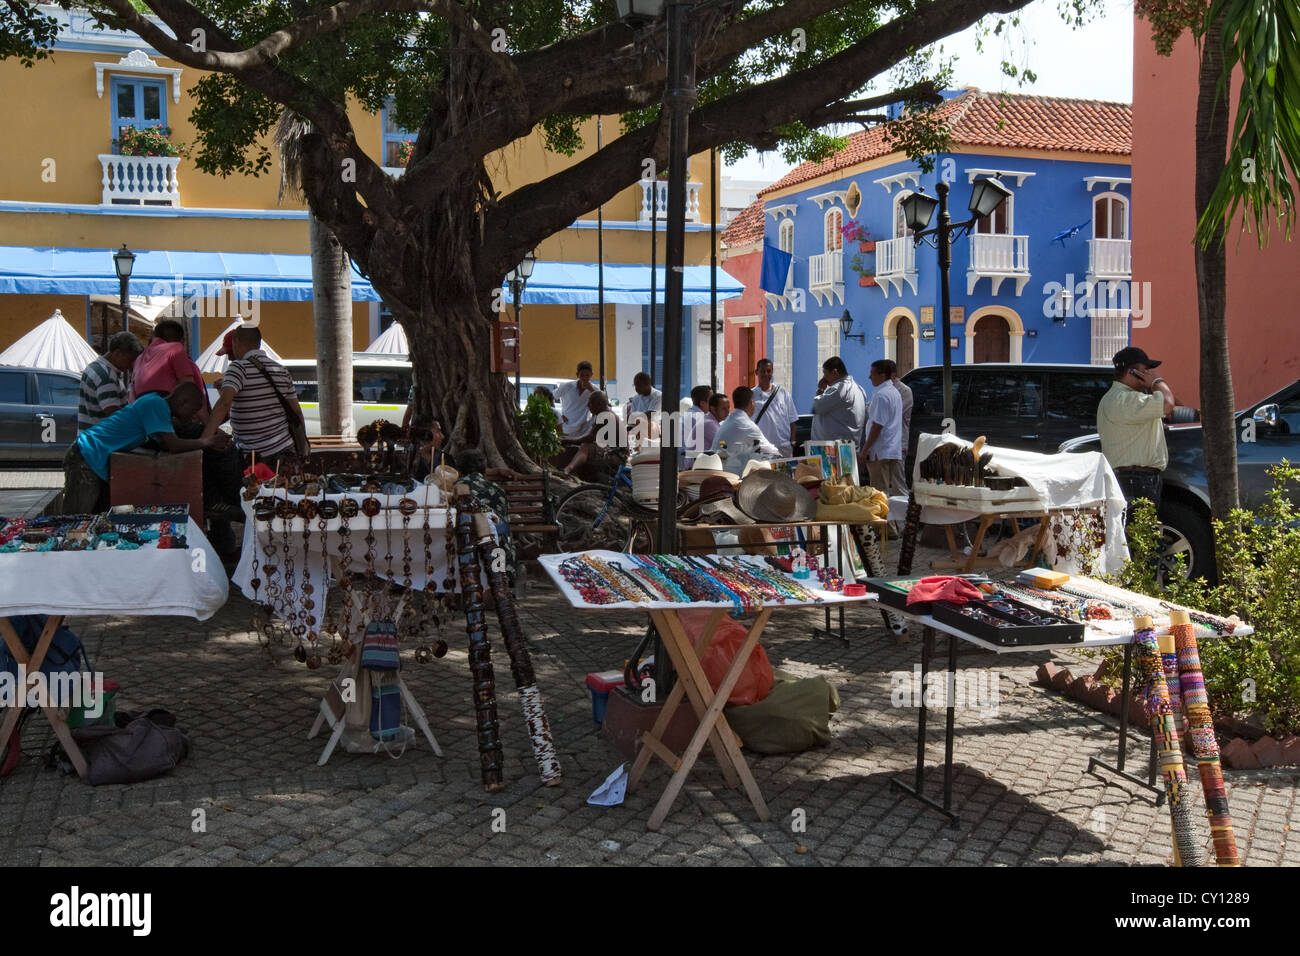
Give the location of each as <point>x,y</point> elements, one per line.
<point>265,276</point>
<point>574,283</point>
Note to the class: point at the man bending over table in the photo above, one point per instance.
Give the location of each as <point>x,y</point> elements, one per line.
<point>85,466</point>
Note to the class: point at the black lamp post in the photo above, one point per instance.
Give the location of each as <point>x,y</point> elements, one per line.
<point>846,326</point>
<point>518,278</point>
<point>986,196</point>
<point>123,262</point>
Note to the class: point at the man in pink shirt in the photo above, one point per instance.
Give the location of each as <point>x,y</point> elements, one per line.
<point>165,363</point>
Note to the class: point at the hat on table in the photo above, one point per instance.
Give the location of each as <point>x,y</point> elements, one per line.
<point>773,496</point>
<point>706,466</point>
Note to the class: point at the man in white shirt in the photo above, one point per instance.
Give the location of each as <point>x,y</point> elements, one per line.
<point>693,425</point>
<point>741,437</point>
<point>906,392</point>
<point>840,408</point>
<point>882,452</point>
<point>575,417</point>
<point>776,412</point>
<point>645,401</point>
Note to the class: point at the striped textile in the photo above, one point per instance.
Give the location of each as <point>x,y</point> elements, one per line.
<point>256,415</point>
<point>102,386</point>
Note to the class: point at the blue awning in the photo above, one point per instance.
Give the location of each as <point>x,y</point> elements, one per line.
<point>264,276</point>
<point>574,283</point>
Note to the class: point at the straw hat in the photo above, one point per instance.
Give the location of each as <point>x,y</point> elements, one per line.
<point>705,466</point>
<point>773,496</point>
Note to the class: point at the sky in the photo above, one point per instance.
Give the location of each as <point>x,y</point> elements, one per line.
<point>1092,62</point>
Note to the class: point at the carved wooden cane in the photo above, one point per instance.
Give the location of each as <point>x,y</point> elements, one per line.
<point>521,663</point>
<point>480,651</point>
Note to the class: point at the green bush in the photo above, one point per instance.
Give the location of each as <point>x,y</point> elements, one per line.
<point>536,425</point>
<point>1258,557</point>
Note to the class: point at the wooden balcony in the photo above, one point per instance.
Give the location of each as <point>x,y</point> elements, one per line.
<point>140,180</point>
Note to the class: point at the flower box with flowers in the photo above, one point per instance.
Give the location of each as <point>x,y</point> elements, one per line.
<point>853,231</point>
<point>150,141</point>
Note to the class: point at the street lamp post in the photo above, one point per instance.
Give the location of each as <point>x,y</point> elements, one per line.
<point>123,262</point>
<point>986,196</point>
<point>518,278</point>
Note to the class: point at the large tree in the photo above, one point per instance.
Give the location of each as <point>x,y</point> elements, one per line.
<point>1250,174</point>
<point>476,75</point>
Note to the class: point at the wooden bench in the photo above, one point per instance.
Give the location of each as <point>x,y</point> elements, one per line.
<point>530,507</point>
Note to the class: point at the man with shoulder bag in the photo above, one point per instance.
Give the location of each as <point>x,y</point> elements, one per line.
<point>776,412</point>
<point>257,395</point>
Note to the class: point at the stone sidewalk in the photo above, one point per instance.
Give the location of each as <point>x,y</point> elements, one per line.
<point>252,780</point>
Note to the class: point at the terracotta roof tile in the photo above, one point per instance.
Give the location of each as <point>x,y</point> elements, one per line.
<point>746,227</point>
<point>1007,120</point>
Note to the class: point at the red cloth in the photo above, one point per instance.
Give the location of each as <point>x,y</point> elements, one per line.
<point>262,471</point>
<point>161,367</point>
<point>944,588</point>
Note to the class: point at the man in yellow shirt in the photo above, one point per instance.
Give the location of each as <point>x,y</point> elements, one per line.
<point>1130,423</point>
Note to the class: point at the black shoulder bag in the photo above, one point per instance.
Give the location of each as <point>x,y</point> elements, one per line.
<point>297,428</point>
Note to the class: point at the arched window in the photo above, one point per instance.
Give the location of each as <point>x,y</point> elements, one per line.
<point>1110,217</point>
<point>834,222</point>
<point>997,223</point>
<point>785,235</point>
<point>900,221</point>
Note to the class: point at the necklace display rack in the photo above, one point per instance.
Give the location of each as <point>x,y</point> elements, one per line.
<point>294,602</point>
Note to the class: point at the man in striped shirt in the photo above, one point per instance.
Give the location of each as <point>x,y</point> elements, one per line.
<point>248,396</point>
<point>104,381</point>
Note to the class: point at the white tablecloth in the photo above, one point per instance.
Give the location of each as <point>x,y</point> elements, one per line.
<point>188,582</point>
<point>1062,482</point>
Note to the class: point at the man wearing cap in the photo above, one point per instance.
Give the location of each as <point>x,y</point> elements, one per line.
<point>742,439</point>
<point>575,417</point>
<point>104,385</point>
<point>1129,421</point>
<point>840,408</point>
<point>776,411</point>
<point>249,397</point>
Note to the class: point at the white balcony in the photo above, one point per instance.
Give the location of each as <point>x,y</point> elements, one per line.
<point>658,188</point>
<point>895,264</point>
<point>140,180</point>
<point>1109,259</point>
<point>998,258</point>
<point>826,277</point>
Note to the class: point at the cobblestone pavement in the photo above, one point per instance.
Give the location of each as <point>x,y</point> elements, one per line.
<point>1020,784</point>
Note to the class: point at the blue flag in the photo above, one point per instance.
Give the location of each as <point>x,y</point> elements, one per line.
<point>776,266</point>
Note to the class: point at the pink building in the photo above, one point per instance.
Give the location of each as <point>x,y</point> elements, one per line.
<point>746,324</point>
<point>1263,285</point>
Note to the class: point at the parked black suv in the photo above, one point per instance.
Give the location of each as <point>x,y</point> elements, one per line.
<point>1185,500</point>
<point>1030,407</point>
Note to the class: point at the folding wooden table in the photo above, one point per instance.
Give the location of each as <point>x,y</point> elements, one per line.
<point>693,685</point>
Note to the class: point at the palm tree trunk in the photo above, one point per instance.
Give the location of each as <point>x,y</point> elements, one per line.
<point>331,277</point>
<point>1217,402</point>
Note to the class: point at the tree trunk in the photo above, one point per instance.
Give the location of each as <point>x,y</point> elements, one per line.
<point>331,278</point>
<point>1217,402</point>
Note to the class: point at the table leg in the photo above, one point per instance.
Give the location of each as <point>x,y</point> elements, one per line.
<point>711,719</point>
<point>1096,763</point>
<point>948,730</point>
<point>31,664</point>
<point>917,789</point>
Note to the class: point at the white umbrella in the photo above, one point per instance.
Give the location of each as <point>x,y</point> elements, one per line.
<point>54,344</point>
<point>391,342</point>
<point>210,361</point>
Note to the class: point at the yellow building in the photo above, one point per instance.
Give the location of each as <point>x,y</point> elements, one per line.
<point>225,247</point>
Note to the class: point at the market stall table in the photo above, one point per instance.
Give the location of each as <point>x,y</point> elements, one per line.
<point>692,683</point>
<point>148,581</point>
<point>1096,634</point>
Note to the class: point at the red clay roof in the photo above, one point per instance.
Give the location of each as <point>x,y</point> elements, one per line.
<point>998,120</point>
<point>746,227</point>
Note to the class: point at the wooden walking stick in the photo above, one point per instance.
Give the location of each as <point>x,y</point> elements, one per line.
<point>1205,747</point>
<point>521,663</point>
<point>480,651</point>
<point>868,545</point>
<point>1164,729</point>
<point>911,530</point>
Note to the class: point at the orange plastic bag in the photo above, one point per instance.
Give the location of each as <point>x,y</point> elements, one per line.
<point>756,679</point>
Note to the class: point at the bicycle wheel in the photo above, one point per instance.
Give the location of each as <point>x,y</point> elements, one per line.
<point>576,515</point>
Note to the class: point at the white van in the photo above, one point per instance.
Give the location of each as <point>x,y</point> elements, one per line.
<point>380,387</point>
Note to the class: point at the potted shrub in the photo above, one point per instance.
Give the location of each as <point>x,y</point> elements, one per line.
<point>866,274</point>
<point>404,153</point>
<point>853,231</point>
<point>150,141</point>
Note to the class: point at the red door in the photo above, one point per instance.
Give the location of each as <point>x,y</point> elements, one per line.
<point>992,339</point>
<point>905,345</point>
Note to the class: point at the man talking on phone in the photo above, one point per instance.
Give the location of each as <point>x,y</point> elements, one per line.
<point>1130,423</point>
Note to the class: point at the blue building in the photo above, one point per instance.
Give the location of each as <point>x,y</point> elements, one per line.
<point>1047,278</point>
